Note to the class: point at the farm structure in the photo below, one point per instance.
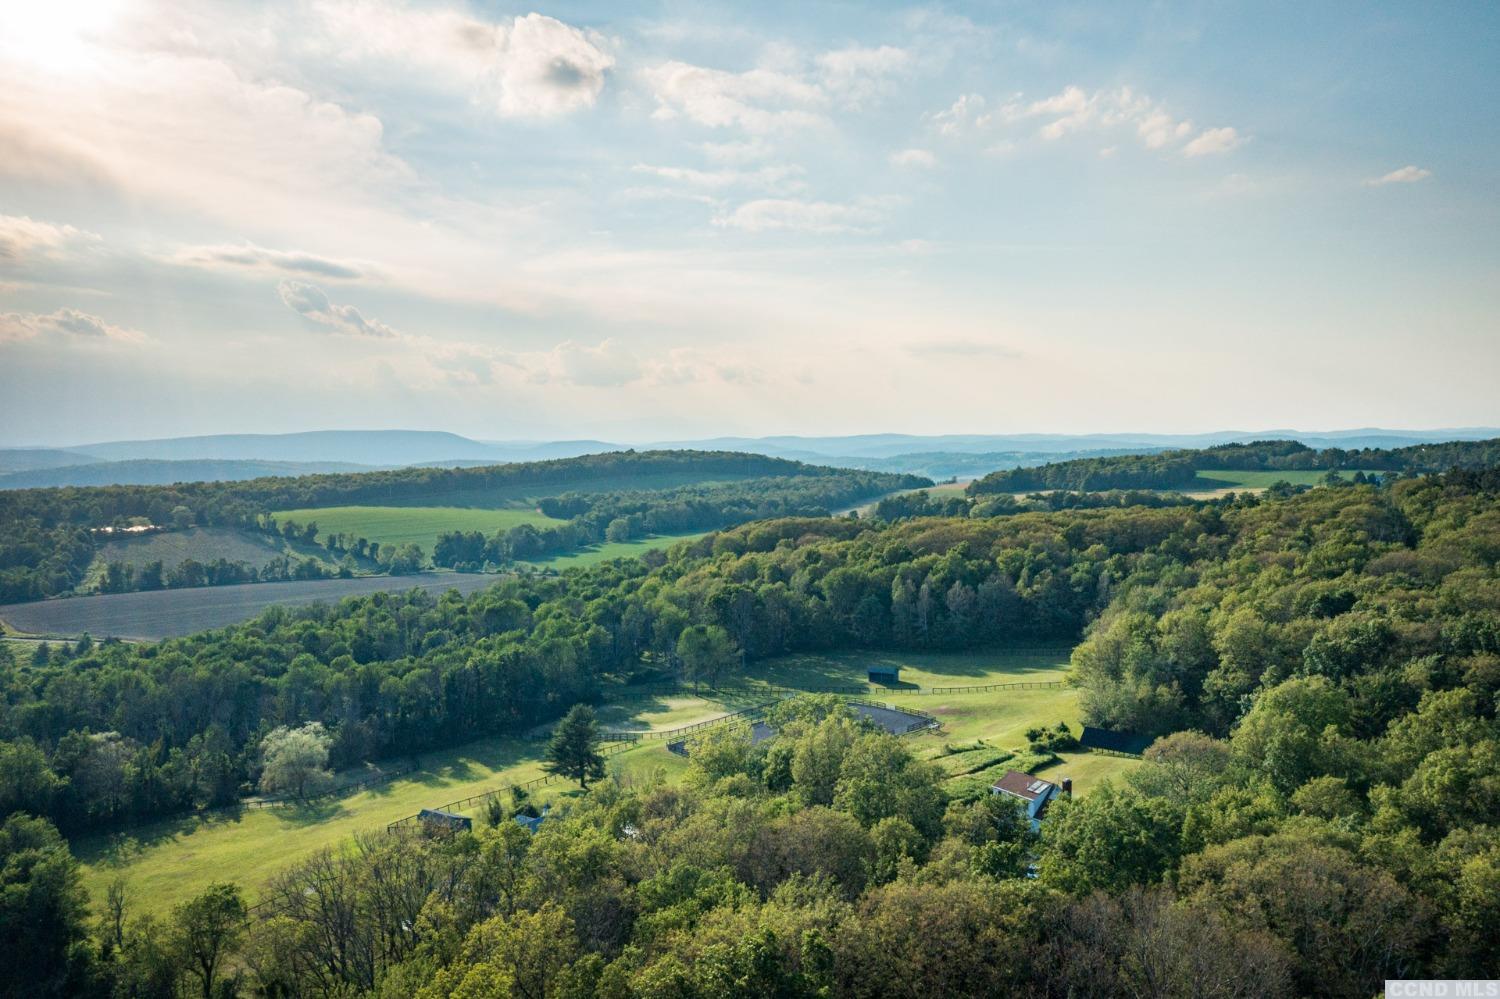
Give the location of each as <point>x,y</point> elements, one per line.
<point>888,676</point>
<point>1034,792</point>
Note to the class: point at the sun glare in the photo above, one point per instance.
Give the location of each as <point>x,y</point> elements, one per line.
<point>56,36</point>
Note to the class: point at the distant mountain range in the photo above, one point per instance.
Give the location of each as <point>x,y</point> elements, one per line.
<point>225,457</point>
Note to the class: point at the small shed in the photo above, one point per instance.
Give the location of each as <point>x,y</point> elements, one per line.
<point>437,820</point>
<point>889,676</point>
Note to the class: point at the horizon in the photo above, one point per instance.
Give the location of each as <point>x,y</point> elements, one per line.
<point>585,221</point>
<point>1434,433</point>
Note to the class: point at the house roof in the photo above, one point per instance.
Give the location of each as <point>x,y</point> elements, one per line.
<point>1023,786</point>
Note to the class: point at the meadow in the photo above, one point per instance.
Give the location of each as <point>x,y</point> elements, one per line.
<point>169,861</point>
<point>421,525</point>
<point>1256,479</point>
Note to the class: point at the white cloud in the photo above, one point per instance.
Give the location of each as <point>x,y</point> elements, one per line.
<point>785,177</point>
<point>786,93</point>
<point>1213,141</point>
<point>248,256</point>
<point>800,216</point>
<point>532,66</point>
<point>23,238</point>
<point>606,365</point>
<point>1074,110</point>
<point>758,100</point>
<point>1405,175</point>
<point>966,112</point>
<point>310,302</point>
<point>63,324</point>
<point>857,74</point>
<point>914,158</point>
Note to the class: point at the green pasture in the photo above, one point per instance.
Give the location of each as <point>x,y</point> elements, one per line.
<point>169,861</point>
<point>399,525</point>
<point>1257,479</point>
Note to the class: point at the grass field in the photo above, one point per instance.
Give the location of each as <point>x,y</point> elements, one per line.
<point>170,861</point>
<point>171,613</point>
<point>594,554</point>
<point>399,525</point>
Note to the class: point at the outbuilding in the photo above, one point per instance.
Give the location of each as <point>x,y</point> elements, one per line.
<point>886,676</point>
<point>437,820</point>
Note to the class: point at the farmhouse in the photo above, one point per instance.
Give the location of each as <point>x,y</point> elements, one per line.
<point>531,823</point>
<point>1036,793</point>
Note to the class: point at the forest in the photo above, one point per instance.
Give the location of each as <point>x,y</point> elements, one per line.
<point>1323,667</point>
<point>1180,469</point>
<point>48,537</point>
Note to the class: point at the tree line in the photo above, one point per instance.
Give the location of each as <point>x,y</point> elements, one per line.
<point>1179,468</point>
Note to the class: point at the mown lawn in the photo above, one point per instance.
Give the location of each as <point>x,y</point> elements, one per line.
<point>399,525</point>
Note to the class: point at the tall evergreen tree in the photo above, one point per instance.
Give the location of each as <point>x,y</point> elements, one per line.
<point>574,750</point>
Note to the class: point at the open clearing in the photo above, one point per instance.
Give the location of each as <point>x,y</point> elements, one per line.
<point>169,861</point>
<point>158,614</point>
<point>399,525</point>
<point>202,544</point>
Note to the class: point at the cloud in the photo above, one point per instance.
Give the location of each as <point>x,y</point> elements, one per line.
<point>856,74</point>
<point>786,177</point>
<point>913,158</point>
<point>758,100</point>
<point>1212,141</point>
<point>248,256</point>
<point>532,66</point>
<point>607,365</point>
<point>799,216</point>
<point>1074,110</point>
<point>63,324</point>
<point>1405,175</point>
<point>310,302</point>
<point>765,99</point>
<point>23,238</point>
<point>544,67</point>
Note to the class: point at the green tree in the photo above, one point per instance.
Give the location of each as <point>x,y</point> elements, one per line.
<point>707,653</point>
<point>206,930</point>
<point>43,913</point>
<point>295,760</point>
<point>574,750</point>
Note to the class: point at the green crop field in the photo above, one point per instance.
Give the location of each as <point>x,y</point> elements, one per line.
<point>169,861</point>
<point>594,554</point>
<point>398,525</point>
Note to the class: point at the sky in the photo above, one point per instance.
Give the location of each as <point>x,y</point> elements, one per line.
<point>670,220</point>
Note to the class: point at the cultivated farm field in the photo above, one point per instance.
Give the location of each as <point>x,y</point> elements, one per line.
<point>158,614</point>
<point>398,525</point>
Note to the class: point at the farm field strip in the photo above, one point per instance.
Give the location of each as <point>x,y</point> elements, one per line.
<point>421,525</point>
<point>159,614</point>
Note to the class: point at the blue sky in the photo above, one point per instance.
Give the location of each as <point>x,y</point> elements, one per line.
<point>675,220</point>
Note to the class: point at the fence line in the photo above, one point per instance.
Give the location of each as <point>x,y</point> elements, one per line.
<point>1018,685</point>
